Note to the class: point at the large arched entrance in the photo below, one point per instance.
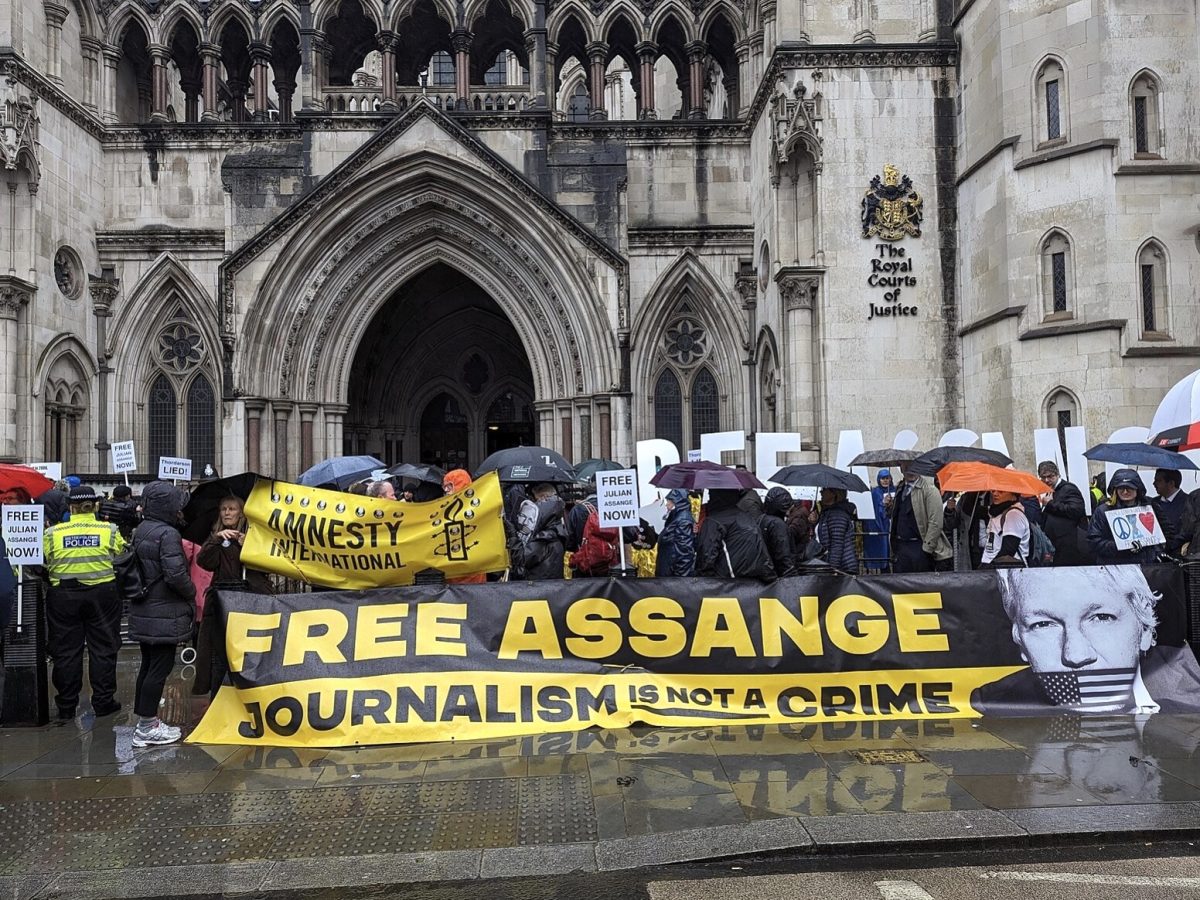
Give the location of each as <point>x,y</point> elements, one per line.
<point>440,376</point>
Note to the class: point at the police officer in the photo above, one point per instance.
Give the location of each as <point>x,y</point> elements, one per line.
<point>83,605</point>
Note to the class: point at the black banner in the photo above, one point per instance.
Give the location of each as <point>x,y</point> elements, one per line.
<point>484,661</point>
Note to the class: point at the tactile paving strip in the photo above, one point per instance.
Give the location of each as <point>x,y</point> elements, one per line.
<point>556,810</point>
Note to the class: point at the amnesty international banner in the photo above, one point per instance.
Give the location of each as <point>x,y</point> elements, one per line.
<point>351,541</point>
<point>485,661</point>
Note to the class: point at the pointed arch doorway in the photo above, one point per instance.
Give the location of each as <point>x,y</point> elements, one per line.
<point>441,377</point>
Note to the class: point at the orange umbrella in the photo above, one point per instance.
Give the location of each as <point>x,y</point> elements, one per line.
<point>972,476</point>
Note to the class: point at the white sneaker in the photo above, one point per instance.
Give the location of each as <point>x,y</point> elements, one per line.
<point>160,733</point>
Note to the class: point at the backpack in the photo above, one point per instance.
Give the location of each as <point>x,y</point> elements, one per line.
<point>597,551</point>
<point>1041,548</point>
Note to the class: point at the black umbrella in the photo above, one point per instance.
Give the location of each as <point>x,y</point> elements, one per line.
<point>1144,455</point>
<point>410,472</point>
<point>586,470</point>
<point>529,465</point>
<point>820,476</point>
<point>882,459</point>
<point>931,461</point>
<point>200,514</point>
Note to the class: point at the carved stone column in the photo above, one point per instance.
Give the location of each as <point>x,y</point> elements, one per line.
<point>739,99</point>
<point>460,43</point>
<point>583,410</point>
<point>254,411</point>
<point>551,78</point>
<point>14,295</point>
<point>210,57</point>
<point>604,419</point>
<point>159,57</point>
<point>798,289</point>
<point>108,83</point>
<point>308,412</point>
<point>647,54</point>
<point>260,66</point>
<point>56,15</point>
<point>283,412</point>
<point>104,296</point>
<point>535,49</point>
<point>335,416</point>
<point>567,423</point>
<point>92,74</point>
<point>387,50</point>
<point>597,55</point>
<point>697,53</point>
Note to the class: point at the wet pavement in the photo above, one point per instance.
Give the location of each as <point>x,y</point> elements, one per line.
<point>77,798</point>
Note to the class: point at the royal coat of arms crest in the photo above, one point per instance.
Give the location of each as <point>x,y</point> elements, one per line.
<point>891,209</point>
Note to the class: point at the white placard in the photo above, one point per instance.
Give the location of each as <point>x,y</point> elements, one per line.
<point>174,468</point>
<point>693,456</point>
<point>1135,523</point>
<point>123,458</point>
<point>617,498</point>
<point>52,470</point>
<point>22,527</point>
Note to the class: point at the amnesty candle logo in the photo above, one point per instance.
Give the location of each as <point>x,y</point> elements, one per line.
<point>891,209</point>
<point>357,542</point>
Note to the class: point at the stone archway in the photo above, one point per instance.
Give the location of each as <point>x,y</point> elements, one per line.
<point>440,376</point>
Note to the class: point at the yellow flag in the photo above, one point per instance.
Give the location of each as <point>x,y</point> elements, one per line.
<point>351,541</point>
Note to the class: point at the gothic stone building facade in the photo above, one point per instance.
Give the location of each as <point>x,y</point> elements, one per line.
<point>259,232</point>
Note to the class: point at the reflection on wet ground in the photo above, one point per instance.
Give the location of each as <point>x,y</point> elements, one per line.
<point>78,796</point>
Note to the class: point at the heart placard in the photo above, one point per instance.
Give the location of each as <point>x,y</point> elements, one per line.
<point>1148,521</point>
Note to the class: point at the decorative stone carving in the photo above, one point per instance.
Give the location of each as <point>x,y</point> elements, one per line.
<point>794,124</point>
<point>68,273</point>
<point>799,291</point>
<point>180,346</point>
<point>18,128</point>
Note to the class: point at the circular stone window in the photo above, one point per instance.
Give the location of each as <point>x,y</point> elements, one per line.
<point>68,273</point>
<point>764,266</point>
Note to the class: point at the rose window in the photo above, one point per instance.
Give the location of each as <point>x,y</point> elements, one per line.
<point>180,347</point>
<point>685,341</point>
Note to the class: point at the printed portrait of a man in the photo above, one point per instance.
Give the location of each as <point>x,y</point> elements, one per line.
<point>1089,635</point>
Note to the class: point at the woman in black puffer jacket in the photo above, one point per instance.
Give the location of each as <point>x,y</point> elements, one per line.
<point>164,619</point>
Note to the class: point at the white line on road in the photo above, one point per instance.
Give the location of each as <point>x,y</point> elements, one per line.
<point>1116,880</point>
<point>901,890</point>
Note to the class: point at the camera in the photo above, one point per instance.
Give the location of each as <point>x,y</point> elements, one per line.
<point>120,513</point>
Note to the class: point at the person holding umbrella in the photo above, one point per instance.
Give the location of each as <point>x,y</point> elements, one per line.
<point>1006,536</point>
<point>875,543</point>
<point>730,544</point>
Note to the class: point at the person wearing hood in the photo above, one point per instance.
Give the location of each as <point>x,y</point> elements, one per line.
<point>773,526</point>
<point>541,536</point>
<point>677,540</point>
<point>1127,490</point>
<point>163,619</point>
<point>1006,537</point>
<point>834,531</point>
<point>55,506</point>
<point>876,551</point>
<point>730,540</point>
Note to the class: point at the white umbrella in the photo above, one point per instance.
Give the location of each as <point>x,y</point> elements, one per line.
<point>1181,406</point>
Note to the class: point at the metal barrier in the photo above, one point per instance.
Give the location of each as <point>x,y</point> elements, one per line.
<point>1191,575</point>
<point>26,689</point>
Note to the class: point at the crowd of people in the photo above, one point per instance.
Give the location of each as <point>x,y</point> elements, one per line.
<point>92,542</point>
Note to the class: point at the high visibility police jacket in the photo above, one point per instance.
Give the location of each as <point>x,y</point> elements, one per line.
<point>82,549</point>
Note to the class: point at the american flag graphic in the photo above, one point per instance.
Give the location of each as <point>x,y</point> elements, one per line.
<point>1093,690</point>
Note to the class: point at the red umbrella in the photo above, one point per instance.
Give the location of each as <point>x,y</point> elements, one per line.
<point>30,480</point>
<point>1180,438</point>
<point>695,476</point>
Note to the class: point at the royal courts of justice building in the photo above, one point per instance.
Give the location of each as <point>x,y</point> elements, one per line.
<point>257,234</point>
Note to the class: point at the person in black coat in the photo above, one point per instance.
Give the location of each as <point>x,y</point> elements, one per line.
<point>677,540</point>
<point>729,537</point>
<point>1061,517</point>
<point>541,536</point>
<point>1127,491</point>
<point>164,618</point>
<point>1169,506</point>
<point>8,600</point>
<point>773,525</point>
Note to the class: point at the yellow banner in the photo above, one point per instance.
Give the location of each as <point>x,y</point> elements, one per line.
<point>352,541</point>
<point>433,706</point>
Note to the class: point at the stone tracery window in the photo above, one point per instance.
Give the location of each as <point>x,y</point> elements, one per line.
<point>686,394</point>
<point>67,410</point>
<point>181,403</point>
<point>1051,103</point>
<point>1145,107</point>
<point>68,273</point>
<point>1058,281</point>
<point>1152,289</point>
<point>1062,412</point>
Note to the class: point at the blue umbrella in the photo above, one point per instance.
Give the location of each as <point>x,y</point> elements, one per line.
<point>1145,455</point>
<point>341,470</point>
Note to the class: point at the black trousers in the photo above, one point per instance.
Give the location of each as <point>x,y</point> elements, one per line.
<point>910,557</point>
<point>157,662</point>
<point>82,616</point>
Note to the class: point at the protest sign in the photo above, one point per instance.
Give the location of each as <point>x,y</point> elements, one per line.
<point>1135,524</point>
<point>172,468</point>
<point>123,458</point>
<point>22,527</point>
<point>52,470</point>
<point>354,541</point>
<point>617,498</point>
<point>474,662</point>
